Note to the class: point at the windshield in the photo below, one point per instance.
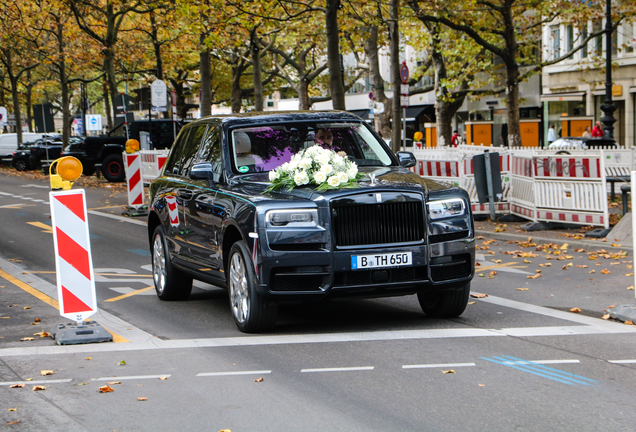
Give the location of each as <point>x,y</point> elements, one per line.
<point>263,148</point>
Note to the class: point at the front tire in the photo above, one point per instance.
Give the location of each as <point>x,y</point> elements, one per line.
<point>251,313</point>
<point>449,304</point>
<point>113,168</point>
<point>20,165</point>
<point>170,283</point>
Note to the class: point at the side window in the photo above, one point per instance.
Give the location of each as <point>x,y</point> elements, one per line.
<point>191,148</point>
<point>174,160</point>
<point>211,151</point>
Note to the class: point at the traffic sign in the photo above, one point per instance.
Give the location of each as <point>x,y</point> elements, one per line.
<point>93,122</point>
<point>158,92</point>
<point>3,116</point>
<point>404,73</point>
<point>404,101</point>
<point>404,89</point>
<point>371,95</point>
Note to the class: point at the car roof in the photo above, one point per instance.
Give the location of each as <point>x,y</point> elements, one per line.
<point>281,117</point>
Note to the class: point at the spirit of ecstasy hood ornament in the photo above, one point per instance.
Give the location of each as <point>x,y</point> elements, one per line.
<point>372,177</point>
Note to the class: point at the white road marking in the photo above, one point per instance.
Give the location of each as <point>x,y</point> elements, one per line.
<point>147,267</point>
<point>113,270</point>
<point>133,377</point>
<point>341,369</point>
<point>542,362</point>
<point>622,361</point>
<point>439,365</point>
<point>126,290</point>
<point>36,186</point>
<point>6,194</point>
<point>261,372</point>
<point>8,383</point>
<point>119,218</point>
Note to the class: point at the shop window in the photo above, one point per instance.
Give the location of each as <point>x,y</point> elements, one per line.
<point>598,40</point>
<point>583,37</point>
<point>628,38</point>
<point>555,34</point>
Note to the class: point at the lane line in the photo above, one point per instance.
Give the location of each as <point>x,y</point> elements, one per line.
<point>530,370</point>
<point>438,365</point>
<point>544,362</point>
<point>48,300</point>
<point>622,361</point>
<point>8,383</point>
<point>133,377</point>
<point>256,372</point>
<point>544,371</point>
<point>130,294</point>
<point>341,369</point>
<point>119,218</point>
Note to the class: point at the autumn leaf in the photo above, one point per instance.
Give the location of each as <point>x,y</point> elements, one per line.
<point>629,274</point>
<point>114,383</point>
<point>478,295</point>
<point>606,316</point>
<point>41,334</point>
<point>26,339</point>
<point>26,307</point>
<point>46,372</point>
<point>630,288</point>
<point>479,238</point>
<point>575,310</point>
<point>538,275</point>
<point>142,399</point>
<point>538,271</point>
<point>259,380</point>
<point>13,409</point>
<point>605,271</point>
<point>564,246</point>
<point>477,264</point>
<point>481,275</point>
<point>16,386</point>
<point>39,388</point>
<point>105,389</point>
<point>87,358</point>
<point>629,322</point>
<point>472,302</point>
<point>122,363</point>
<point>492,273</point>
<point>497,261</point>
<point>37,320</point>
<point>580,250</point>
<point>592,271</point>
<point>523,289</point>
<point>163,378</point>
<point>81,384</point>
<point>581,266</point>
<point>14,422</point>
<point>592,257</point>
<point>448,371</point>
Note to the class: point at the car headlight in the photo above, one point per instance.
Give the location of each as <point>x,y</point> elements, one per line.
<point>296,218</point>
<point>446,208</point>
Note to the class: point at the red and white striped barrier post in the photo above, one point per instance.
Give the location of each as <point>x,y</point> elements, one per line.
<point>173,211</point>
<point>73,261</point>
<point>132,163</point>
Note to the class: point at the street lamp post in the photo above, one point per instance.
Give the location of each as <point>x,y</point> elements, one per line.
<point>608,107</point>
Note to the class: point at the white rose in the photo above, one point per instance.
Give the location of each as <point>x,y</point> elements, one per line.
<point>301,178</point>
<point>305,163</point>
<point>326,168</point>
<point>312,151</point>
<point>343,177</point>
<point>292,165</point>
<point>338,161</point>
<point>320,177</point>
<point>273,175</point>
<point>323,158</point>
<point>285,166</point>
<point>352,171</point>
<point>333,181</point>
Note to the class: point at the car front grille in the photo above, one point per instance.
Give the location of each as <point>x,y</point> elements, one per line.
<point>378,224</point>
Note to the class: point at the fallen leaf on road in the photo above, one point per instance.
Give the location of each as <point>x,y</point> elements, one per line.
<point>225,430</point>
<point>538,271</point>
<point>448,371</point>
<point>81,384</point>
<point>615,263</point>
<point>523,289</point>
<point>27,307</point>
<point>629,322</point>
<point>41,334</point>
<point>541,265</point>
<point>14,260</point>
<point>497,261</point>
<point>26,339</point>
<point>14,422</point>
<point>142,399</point>
<point>29,379</point>
<point>472,302</point>
<point>163,378</point>
<point>581,266</point>
<point>565,267</point>
<point>88,358</point>
<point>606,316</point>
<point>580,250</point>
<point>548,264</point>
<point>37,320</point>
<point>527,261</point>
<point>122,363</point>
<point>630,288</point>
<point>481,275</point>
<point>538,275</point>
<point>105,389</point>
<point>482,385</point>
<point>575,310</point>
<point>612,307</point>
<point>479,238</point>
<point>13,409</point>
<point>492,273</point>
<point>477,264</point>
<point>605,271</point>
<point>592,257</point>
<point>39,388</point>
<point>592,271</point>
<point>479,295</point>
<point>629,274</point>
<point>259,380</point>
<point>46,372</point>
<point>114,382</point>
<point>16,386</point>
<point>616,245</point>
<point>564,246</point>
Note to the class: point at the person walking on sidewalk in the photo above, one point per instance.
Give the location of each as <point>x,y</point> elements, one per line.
<point>551,135</point>
<point>586,133</point>
<point>597,132</point>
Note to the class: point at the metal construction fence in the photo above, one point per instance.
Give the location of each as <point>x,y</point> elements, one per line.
<point>152,162</point>
<point>539,185</point>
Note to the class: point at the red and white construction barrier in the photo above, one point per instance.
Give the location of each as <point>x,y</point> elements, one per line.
<point>132,163</point>
<point>173,211</point>
<point>73,261</point>
<point>152,163</point>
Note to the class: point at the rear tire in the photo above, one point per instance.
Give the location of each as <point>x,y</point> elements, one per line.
<point>113,168</point>
<point>170,283</point>
<point>251,313</point>
<point>449,304</point>
<point>20,165</point>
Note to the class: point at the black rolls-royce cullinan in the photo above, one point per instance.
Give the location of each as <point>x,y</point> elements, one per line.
<point>216,215</point>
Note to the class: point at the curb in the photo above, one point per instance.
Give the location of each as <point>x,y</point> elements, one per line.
<point>572,243</point>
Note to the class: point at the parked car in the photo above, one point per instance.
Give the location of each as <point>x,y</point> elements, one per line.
<point>22,157</point>
<point>580,143</point>
<point>9,142</point>
<point>213,218</point>
<point>105,151</point>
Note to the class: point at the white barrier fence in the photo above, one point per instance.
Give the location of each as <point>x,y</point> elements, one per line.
<point>539,185</point>
<point>152,162</point>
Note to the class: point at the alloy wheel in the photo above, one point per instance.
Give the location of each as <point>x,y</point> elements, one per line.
<point>159,264</point>
<point>239,295</point>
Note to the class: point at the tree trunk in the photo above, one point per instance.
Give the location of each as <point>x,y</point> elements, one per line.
<point>206,86</point>
<point>29,101</point>
<point>394,35</point>
<point>109,114</point>
<point>256,72</point>
<point>16,108</point>
<point>109,68</point>
<point>382,120</point>
<point>64,85</point>
<point>236,97</point>
<point>512,79</point>
<point>304,101</point>
<point>336,80</point>
<point>156,45</point>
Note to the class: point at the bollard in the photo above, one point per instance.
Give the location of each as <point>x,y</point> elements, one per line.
<point>625,189</point>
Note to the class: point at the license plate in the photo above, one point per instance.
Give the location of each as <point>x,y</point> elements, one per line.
<point>381,260</point>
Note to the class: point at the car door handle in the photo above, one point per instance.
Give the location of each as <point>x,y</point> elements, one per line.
<point>184,194</point>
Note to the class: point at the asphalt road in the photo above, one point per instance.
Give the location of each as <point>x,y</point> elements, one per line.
<point>520,359</point>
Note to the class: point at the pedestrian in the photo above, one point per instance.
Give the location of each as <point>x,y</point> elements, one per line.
<point>597,131</point>
<point>586,133</point>
<point>455,138</point>
<point>551,135</point>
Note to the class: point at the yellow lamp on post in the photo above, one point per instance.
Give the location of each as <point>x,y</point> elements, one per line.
<point>132,145</point>
<point>67,170</point>
<point>418,136</point>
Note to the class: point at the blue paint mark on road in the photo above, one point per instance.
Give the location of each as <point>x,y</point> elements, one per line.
<point>142,252</point>
<point>93,236</point>
<point>540,370</point>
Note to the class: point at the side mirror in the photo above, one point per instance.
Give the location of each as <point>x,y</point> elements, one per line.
<point>406,159</point>
<point>202,171</point>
